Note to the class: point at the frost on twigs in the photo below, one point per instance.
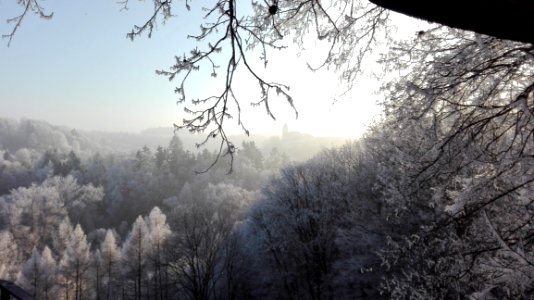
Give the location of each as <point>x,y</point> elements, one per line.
<point>224,47</point>
<point>228,39</point>
<point>348,29</point>
<point>467,100</point>
<point>29,6</point>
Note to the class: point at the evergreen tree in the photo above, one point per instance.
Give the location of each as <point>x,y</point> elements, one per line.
<point>48,272</point>
<point>134,256</point>
<point>61,238</point>
<point>97,268</point>
<point>38,274</point>
<point>75,263</point>
<point>159,232</point>
<point>8,255</point>
<point>30,275</point>
<point>110,256</point>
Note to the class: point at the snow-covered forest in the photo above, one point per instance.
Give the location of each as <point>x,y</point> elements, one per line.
<point>79,220</point>
<point>434,201</point>
<point>412,209</point>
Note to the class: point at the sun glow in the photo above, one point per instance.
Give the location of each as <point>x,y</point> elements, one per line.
<point>104,82</point>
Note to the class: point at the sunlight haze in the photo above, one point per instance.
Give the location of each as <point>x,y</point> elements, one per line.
<point>329,149</point>
<point>79,70</point>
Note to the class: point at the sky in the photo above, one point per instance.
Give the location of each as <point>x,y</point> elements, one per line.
<point>79,70</point>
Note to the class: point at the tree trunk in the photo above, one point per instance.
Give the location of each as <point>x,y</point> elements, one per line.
<point>139,274</point>
<point>77,295</point>
<point>109,280</point>
<point>97,282</point>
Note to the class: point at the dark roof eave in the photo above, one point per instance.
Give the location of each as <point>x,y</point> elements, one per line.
<point>505,19</point>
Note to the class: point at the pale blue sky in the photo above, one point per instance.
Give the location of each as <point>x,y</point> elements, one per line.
<point>79,70</point>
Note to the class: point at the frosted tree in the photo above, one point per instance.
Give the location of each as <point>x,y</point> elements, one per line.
<point>35,212</point>
<point>186,192</point>
<point>159,232</point>
<point>315,230</point>
<point>95,169</point>
<point>38,274</point>
<point>252,154</point>
<point>9,256</point>
<point>38,209</point>
<point>17,168</point>
<point>276,159</point>
<point>362,224</point>
<point>30,274</point>
<point>294,227</point>
<point>179,159</point>
<point>63,235</point>
<point>200,230</point>
<point>97,270</point>
<point>77,198</point>
<point>143,159</point>
<point>134,257</point>
<point>231,202</point>
<point>75,263</point>
<point>453,158</point>
<point>110,258</point>
<point>48,268</point>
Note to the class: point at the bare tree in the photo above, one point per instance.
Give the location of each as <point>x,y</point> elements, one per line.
<point>197,248</point>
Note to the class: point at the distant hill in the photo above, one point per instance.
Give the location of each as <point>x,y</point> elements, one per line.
<point>42,136</point>
<point>297,146</point>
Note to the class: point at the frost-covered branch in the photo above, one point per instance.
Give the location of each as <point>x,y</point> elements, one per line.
<point>504,245</point>
<point>29,6</point>
<point>231,38</point>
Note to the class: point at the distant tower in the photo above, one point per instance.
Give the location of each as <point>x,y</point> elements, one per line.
<point>284,131</point>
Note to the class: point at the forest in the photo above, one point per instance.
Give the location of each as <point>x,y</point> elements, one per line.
<point>434,201</point>
<point>415,209</point>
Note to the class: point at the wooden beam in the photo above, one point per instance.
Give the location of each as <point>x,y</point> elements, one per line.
<point>8,289</point>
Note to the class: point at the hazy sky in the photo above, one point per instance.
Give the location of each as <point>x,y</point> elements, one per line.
<point>79,70</point>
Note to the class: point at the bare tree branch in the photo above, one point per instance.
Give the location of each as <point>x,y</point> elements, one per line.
<point>30,6</point>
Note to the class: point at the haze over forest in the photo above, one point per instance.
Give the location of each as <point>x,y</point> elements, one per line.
<point>431,199</point>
